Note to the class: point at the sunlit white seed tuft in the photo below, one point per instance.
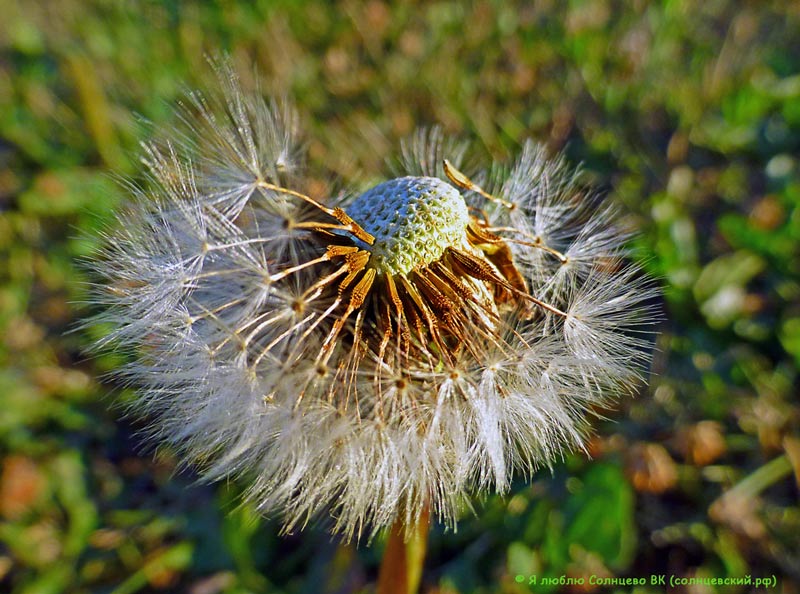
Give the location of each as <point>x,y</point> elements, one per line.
<point>270,341</point>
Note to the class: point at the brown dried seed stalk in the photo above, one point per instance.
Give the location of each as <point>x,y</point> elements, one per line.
<point>429,311</point>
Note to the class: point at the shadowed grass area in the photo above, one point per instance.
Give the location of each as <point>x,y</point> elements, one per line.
<point>687,113</point>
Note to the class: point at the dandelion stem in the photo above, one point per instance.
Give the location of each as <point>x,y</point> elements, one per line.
<point>401,567</point>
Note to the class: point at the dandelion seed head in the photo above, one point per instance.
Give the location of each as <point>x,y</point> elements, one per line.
<point>365,358</point>
<point>413,219</point>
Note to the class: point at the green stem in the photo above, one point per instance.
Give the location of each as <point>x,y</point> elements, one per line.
<point>767,475</point>
<point>401,567</point>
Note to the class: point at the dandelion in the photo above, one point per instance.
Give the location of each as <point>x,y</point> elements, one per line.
<point>374,356</point>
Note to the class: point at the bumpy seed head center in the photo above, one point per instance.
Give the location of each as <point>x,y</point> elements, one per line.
<point>413,220</point>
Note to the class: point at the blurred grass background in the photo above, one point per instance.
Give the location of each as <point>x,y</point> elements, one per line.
<point>686,113</point>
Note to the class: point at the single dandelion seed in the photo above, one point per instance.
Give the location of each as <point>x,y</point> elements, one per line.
<point>379,357</point>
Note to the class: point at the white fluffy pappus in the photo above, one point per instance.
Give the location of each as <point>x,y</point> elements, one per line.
<point>270,344</point>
